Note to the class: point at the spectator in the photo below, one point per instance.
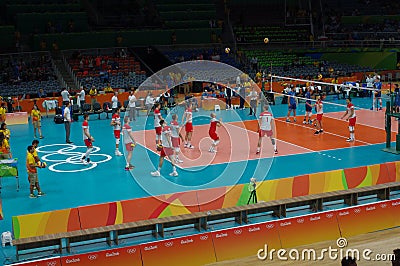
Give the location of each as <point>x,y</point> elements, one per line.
<point>5,130</point>
<point>42,93</point>
<point>108,89</point>
<point>3,111</point>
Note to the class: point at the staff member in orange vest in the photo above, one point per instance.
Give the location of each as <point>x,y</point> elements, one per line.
<point>36,121</point>
<point>31,167</point>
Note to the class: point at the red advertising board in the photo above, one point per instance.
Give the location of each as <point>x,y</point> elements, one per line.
<point>191,250</point>
<point>43,262</point>
<point>245,241</point>
<point>120,256</point>
<point>308,229</point>
<point>395,207</point>
<point>366,218</point>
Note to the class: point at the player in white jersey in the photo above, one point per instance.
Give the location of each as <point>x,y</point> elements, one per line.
<point>266,128</point>
<point>88,139</point>
<point>187,121</point>
<point>176,137</point>
<point>319,107</point>
<point>129,142</point>
<point>351,117</point>
<point>167,150</point>
<point>116,124</point>
<point>157,119</point>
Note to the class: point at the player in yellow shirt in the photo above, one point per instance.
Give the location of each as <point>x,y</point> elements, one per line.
<point>36,121</point>
<point>5,131</point>
<point>3,113</point>
<point>108,88</point>
<point>93,94</point>
<point>4,147</point>
<point>31,167</point>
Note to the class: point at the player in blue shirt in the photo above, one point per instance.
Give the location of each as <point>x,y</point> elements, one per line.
<point>292,104</point>
<point>308,114</point>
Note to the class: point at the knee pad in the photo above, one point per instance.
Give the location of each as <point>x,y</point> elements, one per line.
<point>351,128</point>
<point>178,150</point>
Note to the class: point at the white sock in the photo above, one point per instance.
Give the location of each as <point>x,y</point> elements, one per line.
<point>352,135</point>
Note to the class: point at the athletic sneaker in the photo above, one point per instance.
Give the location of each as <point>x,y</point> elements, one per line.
<point>310,122</point>
<point>349,140</point>
<point>177,160</point>
<point>155,173</point>
<point>118,153</point>
<point>321,131</point>
<point>84,162</point>
<point>316,132</point>
<point>304,122</point>
<point>190,146</point>
<point>32,196</point>
<point>276,151</point>
<point>186,145</point>
<point>295,120</point>
<point>40,194</point>
<point>258,152</point>
<point>127,168</point>
<point>174,173</point>
<point>288,120</point>
<point>380,108</point>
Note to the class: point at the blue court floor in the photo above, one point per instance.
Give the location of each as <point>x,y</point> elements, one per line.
<point>68,183</point>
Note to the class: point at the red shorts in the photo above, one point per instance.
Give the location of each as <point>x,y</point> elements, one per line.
<point>263,133</point>
<point>213,136</point>
<point>189,127</point>
<point>88,143</point>
<point>117,134</point>
<point>166,152</point>
<point>175,142</point>
<point>319,117</point>
<point>352,121</point>
<point>128,146</point>
<point>158,130</point>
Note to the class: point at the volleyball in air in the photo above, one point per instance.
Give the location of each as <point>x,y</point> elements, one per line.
<point>227,50</point>
<point>266,40</point>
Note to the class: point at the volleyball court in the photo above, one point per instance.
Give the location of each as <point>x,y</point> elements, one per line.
<point>238,139</point>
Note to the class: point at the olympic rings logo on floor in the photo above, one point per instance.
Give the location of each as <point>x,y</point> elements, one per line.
<point>72,157</point>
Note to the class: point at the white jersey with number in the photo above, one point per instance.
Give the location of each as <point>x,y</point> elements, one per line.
<point>189,115</point>
<point>166,137</point>
<point>266,118</point>
<point>174,129</point>
<point>350,107</point>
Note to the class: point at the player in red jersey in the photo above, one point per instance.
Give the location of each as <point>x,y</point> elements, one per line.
<point>266,126</point>
<point>212,132</point>
<point>116,124</point>
<point>187,120</point>
<point>167,150</point>
<point>129,142</point>
<point>351,117</point>
<point>319,107</point>
<point>176,137</point>
<point>157,119</point>
<point>88,139</point>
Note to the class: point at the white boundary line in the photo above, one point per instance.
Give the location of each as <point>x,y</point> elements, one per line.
<point>324,132</point>
<point>357,123</point>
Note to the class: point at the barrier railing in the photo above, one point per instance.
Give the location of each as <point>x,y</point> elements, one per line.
<point>201,220</point>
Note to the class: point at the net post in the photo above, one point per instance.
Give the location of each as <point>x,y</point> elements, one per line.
<point>388,125</point>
